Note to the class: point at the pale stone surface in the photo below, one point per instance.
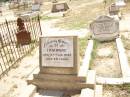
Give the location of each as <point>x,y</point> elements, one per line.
<point>85,66</point>
<point>91,77</point>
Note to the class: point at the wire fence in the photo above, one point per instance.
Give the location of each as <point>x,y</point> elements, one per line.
<point>11,51</point>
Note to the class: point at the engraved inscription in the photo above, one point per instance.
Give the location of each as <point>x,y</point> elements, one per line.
<point>106,27</point>
<point>57,52</point>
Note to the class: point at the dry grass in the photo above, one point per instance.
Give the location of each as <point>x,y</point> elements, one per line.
<point>82,16</point>
<point>116,90</point>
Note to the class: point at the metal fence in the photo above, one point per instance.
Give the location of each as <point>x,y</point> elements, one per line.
<point>10,51</point>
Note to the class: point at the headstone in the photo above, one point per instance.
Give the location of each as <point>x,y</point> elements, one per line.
<point>59,7</point>
<point>59,65</point>
<point>113,10</point>
<point>59,53</point>
<point>105,28</point>
<point>23,36</point>
<point>36,7</point>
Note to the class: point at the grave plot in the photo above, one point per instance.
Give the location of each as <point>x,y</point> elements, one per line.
<point>105,55</point>
<point>105,60</point>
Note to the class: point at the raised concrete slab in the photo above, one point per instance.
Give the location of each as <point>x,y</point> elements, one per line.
<point>85,66</point>
<point>114,81</point>
<point>60,85</point>
<point>55,77</point>
<point>91,77</point>
<point>123,58</point>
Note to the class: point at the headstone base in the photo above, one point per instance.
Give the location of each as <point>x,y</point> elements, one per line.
<point>60,82</point>
<point>106,37</point>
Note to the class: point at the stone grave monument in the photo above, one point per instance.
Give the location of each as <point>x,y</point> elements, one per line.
<point>36,7</point>
<point>23,36</point>
<point>113,9</point>
<point>59,65</point>
<point>59,7</point>
<point>105,28</point>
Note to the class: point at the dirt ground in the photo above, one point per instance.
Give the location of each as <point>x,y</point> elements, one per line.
<point>106,62</point>
<point>15,82</point>
<point>116,91</point>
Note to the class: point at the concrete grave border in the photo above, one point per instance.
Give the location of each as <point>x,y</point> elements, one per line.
<point>123,62</point>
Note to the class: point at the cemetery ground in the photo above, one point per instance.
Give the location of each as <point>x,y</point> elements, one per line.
<point>79,18</point>
<point>15,82</point>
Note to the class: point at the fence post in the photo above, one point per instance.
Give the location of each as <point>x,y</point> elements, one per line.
<point>39,24</point>
<point>10,40</point>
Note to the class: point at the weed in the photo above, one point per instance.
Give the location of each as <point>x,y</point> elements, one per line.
<point>94,54</point>
<point>47,18</point>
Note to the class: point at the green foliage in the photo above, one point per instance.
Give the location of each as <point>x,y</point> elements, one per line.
<point>47,18</point>
<point>118,87</point>
<point>4,0</point>
<point>75,25</point>
<point>94,54</point>
<point>83,44</point>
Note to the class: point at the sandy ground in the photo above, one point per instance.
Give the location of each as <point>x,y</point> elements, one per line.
<point>48,29</point>
<point>15,82</point>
